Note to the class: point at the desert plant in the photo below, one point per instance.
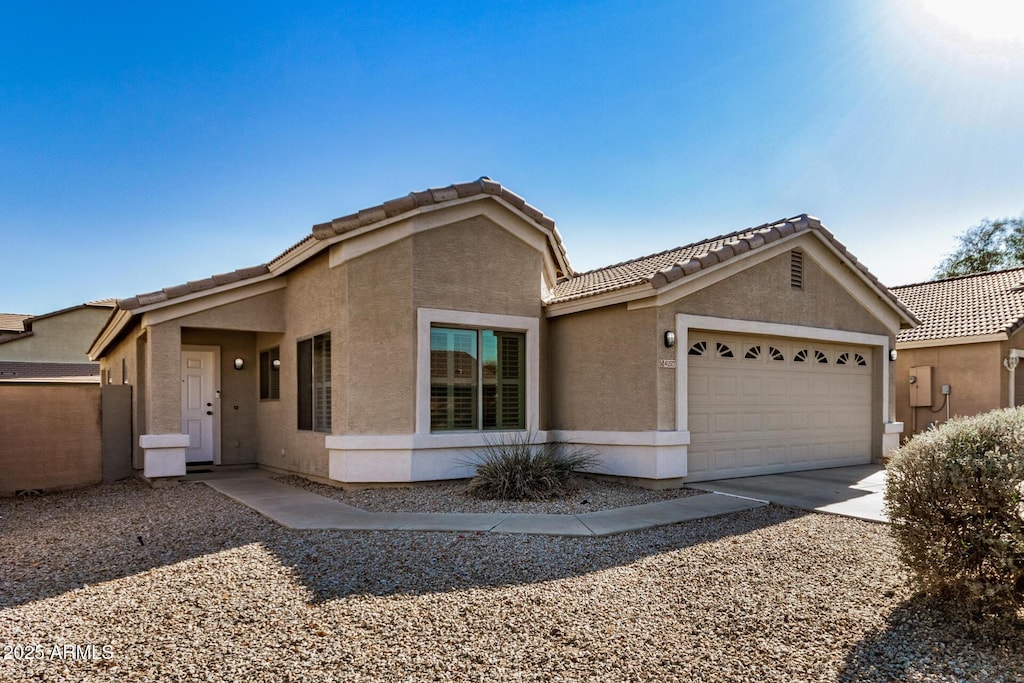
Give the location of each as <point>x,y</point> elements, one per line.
<point>516,468</point>
<point>954,497</point>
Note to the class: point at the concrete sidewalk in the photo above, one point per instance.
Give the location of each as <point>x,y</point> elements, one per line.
<point>298,509</point>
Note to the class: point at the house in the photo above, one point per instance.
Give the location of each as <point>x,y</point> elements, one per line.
<point>962,359</point>
<point>390,344</point>
<point>52,347</point>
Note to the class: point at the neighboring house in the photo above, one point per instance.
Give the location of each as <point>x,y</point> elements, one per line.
<point>11,325</point>
<point>53,346</point>
<point>962,359</point>
<point>392,343</point>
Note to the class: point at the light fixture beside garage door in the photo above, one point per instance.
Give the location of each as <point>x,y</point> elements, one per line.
<point>670,339</point>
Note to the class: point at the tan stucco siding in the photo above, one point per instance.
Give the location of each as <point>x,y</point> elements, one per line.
<point>602,369</point>
<point>475,265</point>
<point>763,293</point>
<point>978,382</point>
<point>313,303</point>
<point>381,333</point>
<point>163,371</point>
<point>263,313</point>
<point>62,338</point>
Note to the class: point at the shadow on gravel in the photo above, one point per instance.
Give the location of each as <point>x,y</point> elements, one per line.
<point>927,640</point>
<point>57,543</point>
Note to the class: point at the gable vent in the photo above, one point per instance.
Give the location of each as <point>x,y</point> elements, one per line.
<point>796,269</point>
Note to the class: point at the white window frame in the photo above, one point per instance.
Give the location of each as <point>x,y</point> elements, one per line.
<point>426,318</point>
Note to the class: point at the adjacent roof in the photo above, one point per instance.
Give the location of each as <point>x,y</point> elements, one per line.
<point>658,270</point>
<point>968,306</point>
<point>12,322</point>
<point>24,371</point>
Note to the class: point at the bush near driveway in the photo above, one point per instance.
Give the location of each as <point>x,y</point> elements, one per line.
<point>955,496</point>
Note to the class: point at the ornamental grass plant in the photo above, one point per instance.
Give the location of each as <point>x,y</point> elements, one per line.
<point>513,467</point>
<point>955,497</point>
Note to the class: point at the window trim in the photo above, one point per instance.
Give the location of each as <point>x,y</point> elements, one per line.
<point>426,318</point>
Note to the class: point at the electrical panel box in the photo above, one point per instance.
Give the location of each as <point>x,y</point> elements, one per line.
<point>921,386</point>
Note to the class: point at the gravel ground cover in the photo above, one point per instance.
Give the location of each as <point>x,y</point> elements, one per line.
<point>120,582</point>
<point>588,495</point>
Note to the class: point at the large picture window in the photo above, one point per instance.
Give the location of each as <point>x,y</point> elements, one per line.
<point>477,379</point>
<point>314,372</point>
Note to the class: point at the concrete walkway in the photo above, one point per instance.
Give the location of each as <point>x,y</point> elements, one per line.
<point>855,491</point>
<point>297,509</point>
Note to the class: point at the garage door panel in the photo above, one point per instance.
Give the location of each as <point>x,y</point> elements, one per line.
<point>761,409</point>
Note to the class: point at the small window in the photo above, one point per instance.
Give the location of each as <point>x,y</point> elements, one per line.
<point>313,365</point>
<point>724,351</point>
<point>753,353</point>
<point>124,371</point>
<point>820,357</point>
<point>796,269</point>
<point>775,354</point>
<point>698,349</point>
<point>801,356</point>
<point>270,374</point>
<point>843,359</point>
<point>861,361</point>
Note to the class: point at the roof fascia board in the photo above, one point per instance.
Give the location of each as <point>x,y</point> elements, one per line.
<point>211,298</point>
<point>351,245</point>
<point>952,341</point>
<point>626,295</point>
<point>297,256</point>
<point>17,337</point>
<point>114,327</point>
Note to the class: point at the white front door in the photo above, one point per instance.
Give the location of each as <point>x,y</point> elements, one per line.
<point>199,403</point>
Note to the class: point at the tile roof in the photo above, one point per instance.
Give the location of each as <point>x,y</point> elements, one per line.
<point>177,291</point>
<point>660,269</point>
<point>12,322</point>
<point>389,209</point>
<point>19,371</point>
<point>967,306</point>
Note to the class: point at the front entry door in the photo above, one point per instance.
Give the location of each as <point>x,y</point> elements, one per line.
<point>198,403</point>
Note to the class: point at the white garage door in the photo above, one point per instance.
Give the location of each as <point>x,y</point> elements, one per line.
<point>765,405</point>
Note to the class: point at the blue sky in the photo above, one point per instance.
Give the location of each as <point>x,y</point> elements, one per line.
<point>143,146</point>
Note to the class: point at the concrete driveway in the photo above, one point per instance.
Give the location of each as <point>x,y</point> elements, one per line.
<point>849,491</point>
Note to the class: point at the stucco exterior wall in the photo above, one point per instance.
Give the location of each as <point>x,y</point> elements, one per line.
<point>50,436</point>
<point>978,382</point>
<point>314,302</point>
<point>602,366</point>
<point>61,338</point>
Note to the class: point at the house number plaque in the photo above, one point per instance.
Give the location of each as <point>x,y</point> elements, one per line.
<point>666,363</point>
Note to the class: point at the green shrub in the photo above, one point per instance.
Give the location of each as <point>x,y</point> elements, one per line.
<point>954,498</point>
<point>518,469</point>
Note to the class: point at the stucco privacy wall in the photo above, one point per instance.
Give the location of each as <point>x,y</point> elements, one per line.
<point>975,373</point>
<point>50,436</point>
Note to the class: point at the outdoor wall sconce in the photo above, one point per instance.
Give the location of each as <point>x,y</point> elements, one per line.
<point>670,339</point>
<point>276,364</point>
<point>892,355</point>
<point>239,364</point>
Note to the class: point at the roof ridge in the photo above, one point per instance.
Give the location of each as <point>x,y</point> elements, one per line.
<point>958,277</point>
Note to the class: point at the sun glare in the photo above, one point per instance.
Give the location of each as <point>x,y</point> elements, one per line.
<point>994,26</point>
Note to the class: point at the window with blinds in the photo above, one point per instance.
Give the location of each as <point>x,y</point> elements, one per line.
<point>313,364</point>
<point>477,379</point>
